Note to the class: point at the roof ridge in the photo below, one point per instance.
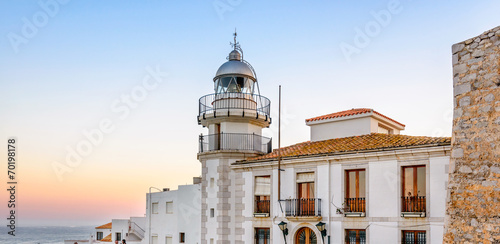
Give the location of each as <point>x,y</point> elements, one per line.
<point>372,141</point>
<point>351,112</point>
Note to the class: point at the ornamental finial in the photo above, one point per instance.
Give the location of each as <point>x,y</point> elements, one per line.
<point>235,44</point>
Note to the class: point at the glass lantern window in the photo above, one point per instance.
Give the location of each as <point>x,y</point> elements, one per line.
<point>234,84</point>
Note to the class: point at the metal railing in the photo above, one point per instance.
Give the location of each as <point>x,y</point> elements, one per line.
<point>353,205</point>
<point>302,207</point>
<point>262,206</point>
<point>413,204</point>
<point>137,230</point>
<point>234,101</point>
<point>235,141</point>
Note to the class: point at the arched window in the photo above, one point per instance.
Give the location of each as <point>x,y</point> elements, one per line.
<point>306,236</point>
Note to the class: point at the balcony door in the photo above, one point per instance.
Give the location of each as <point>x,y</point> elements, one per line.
<point>305,190</point>
<point>355,192</point>
<point>414,189</point>
<point>306,236</point>
<point>262,194</point>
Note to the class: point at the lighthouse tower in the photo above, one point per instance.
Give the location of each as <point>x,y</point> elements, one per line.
<point>235,115</point>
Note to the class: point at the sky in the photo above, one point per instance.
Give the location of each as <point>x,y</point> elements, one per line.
<point>120,82</point>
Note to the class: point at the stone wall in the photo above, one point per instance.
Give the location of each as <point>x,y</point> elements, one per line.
<point>473,206</point>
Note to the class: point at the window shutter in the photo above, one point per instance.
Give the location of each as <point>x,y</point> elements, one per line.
<point>305,177</point>
<point>262,186</point>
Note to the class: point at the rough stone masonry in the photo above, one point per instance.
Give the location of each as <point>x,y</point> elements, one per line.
<point>473,206</point>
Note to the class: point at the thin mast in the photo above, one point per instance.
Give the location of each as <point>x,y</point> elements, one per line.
<point>279,146</point>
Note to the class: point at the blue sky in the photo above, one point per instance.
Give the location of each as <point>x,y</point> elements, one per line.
<point>86,54</point>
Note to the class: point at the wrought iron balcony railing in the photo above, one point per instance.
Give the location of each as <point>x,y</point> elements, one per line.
<point>304,207</point>
<point>235,141</point>
<point>413,204</point>
<point>355,205</point>
<point>209,104</point>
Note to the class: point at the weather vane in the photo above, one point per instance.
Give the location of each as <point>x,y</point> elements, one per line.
<point>235,45</point>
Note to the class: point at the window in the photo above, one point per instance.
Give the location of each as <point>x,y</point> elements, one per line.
<point>154,239</point>
<point>118,236</point>
<point>413,237</point>
<point>154,208</point>
<point>212,182</point>
<point>212,212</point>
<point>170,207</point>
<point>212,241</point>
<point>182,237</point>
<point>262,194</point>
<point>413,189</point>
<point>99,236</point>
<point>355,236</point>
<point>262,236</point>
<point>168,240</point>
<point>305,194</point>
<point>355,193</point>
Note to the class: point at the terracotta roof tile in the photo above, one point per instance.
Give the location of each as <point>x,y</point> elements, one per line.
<point>351,112</point>
<point>374,141</point>
<point>107,238</point>
<point>105,226</point>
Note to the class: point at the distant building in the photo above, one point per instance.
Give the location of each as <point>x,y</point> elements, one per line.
<point>131,230</point>
<point>103,233</point>
<point>173,216</point>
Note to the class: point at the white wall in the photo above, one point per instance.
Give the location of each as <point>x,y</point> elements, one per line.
<point>339,129</point>
<point>185,217</point>
<point>436,233</point>
<point>119,226</point>
<point>383,193</point>
<point>383,232</point>
<point>437,185</point>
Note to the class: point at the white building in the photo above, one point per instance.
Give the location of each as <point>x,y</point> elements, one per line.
<point>358,178</point>
<point>173,216</point>
<point>131,230</point>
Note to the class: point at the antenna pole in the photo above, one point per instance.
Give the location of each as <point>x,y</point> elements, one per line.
<point>279,146</point>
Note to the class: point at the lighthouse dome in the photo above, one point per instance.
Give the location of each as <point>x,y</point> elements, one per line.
<point>235,67</point>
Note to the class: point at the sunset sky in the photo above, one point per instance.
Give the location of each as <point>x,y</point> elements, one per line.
<point>67,68</point>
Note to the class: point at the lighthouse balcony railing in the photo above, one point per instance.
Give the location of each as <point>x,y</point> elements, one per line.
<point>210,104</point>
<point>235,141</point>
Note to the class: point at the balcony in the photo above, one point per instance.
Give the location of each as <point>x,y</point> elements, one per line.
<point>414,206</point>
<point>235,142</point>
<point>303,208</point>
<point>355,207</point>
<point>241,104</point>
<point>262,208</point>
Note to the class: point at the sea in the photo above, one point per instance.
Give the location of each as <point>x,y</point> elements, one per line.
<point>45,234</point>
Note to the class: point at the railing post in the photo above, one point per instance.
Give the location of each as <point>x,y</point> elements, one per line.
<point>201,142</point>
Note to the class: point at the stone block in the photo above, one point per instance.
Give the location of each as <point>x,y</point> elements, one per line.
<point>457,48</point>
<point>461,89</point>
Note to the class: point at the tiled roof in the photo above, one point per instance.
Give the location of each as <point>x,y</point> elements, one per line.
<point>374,141</point>
<point>354,111</point>
<point>106,226</point>
<point>107,238</point>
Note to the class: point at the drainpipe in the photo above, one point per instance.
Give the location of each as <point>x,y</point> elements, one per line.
<point>329,199</point>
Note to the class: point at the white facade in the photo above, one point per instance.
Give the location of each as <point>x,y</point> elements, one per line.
<point>362,123</point>
<point>382,221</point>
<point>170,214</point>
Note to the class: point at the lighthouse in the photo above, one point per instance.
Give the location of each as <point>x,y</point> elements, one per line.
<point>234,115</point>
